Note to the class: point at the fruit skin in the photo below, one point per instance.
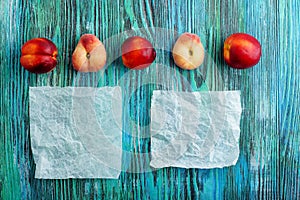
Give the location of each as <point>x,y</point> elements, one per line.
<point>241,51</point>
<point>137,53</point>
<point>39,55</point>
<point>188,52</point>
<point>89,54</point>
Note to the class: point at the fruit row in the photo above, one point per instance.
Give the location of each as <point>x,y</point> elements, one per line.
<point>39,55</point>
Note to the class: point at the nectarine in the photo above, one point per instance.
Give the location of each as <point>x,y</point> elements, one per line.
<point>241,51</point>
<point>137,53</point>
<point>39,55</point>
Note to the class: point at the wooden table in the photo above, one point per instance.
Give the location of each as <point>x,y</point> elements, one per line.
<point>269,162</point>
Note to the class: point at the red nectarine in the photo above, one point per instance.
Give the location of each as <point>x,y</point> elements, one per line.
<point>39,55</point>
<point>137,53</point>
<point>241,51</point>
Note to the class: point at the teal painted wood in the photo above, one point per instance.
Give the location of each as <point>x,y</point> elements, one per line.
<point>269,163</point>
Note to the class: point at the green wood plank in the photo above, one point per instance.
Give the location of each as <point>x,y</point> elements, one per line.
<point>269,163</point>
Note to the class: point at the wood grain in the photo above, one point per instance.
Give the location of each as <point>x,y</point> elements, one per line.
<point>269,162</point>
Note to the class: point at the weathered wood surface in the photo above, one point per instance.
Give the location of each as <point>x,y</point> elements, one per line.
<point>269,162</point>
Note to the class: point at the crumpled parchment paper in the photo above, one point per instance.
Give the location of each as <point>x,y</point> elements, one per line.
<point>76,132</point>
<point>195,129</point>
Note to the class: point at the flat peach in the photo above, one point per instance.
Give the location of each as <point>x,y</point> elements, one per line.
<point>89,54</point>
<point>188,51</point>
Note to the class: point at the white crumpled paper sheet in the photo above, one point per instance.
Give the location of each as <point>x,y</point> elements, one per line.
<point>76,132</point>
<point>195,129</point>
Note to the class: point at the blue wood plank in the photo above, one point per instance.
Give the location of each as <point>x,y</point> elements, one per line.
<point>269,162</point>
